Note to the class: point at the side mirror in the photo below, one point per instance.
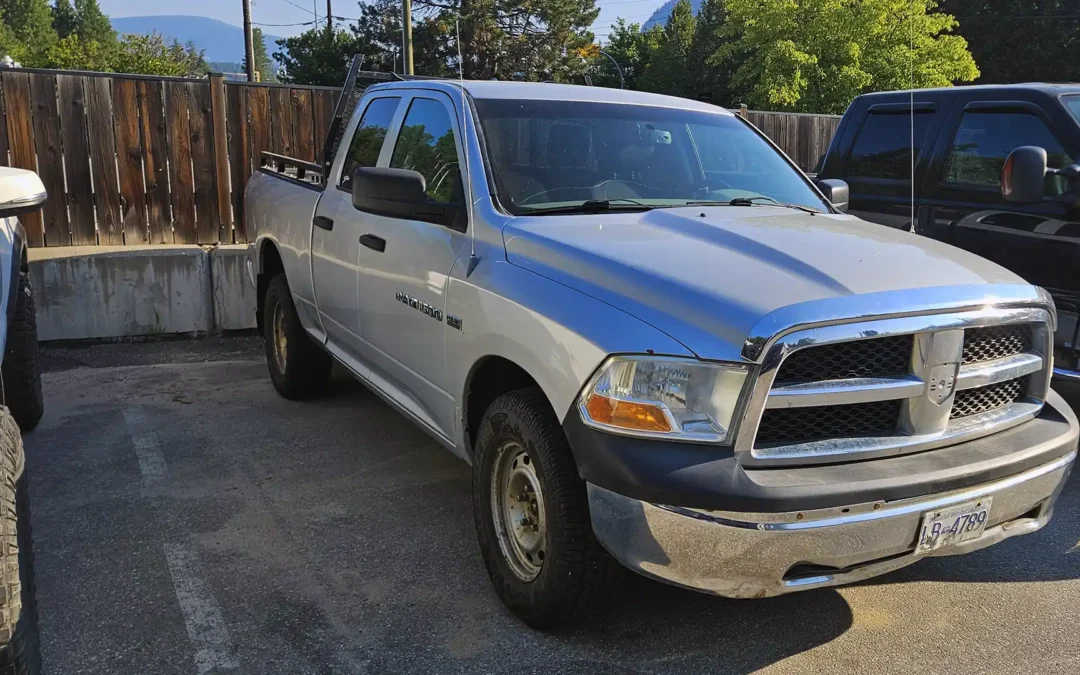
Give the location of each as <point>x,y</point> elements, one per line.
<point>21,192</point>
<point>398,193</point>
<point>836,191</point>
<point>1023,174</point>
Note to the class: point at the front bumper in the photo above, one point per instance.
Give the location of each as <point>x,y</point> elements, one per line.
<point>756,555</point>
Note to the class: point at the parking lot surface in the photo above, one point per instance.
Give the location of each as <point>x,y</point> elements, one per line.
<point>188,520</point>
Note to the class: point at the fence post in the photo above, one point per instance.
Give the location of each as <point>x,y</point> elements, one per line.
<point>221,156</point>
<point>743,111</point>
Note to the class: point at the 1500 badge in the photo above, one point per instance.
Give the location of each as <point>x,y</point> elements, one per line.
<point>433,312</point>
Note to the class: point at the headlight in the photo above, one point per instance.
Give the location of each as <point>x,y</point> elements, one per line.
<point>663,397</point>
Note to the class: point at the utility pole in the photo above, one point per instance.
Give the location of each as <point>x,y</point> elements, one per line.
<point>406,37</point>
<point>249,47</point>
<point>329,19</point>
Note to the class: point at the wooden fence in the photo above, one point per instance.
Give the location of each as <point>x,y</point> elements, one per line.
<point>131,159</point>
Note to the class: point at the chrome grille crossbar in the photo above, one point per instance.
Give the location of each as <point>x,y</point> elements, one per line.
<point>868,389</point>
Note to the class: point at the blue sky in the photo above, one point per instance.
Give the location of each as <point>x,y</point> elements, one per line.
<point>298,11</point>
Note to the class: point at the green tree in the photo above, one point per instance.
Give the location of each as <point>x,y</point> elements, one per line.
<point>91,24</point>
<point>710,81</point>
<point>64,18</point>
<point>668,70</point>
<point>32,33</point>
<point>262,60</point>
<point>313,57</point>
<point>1008,49</point>
<point>154,55</point>
<point>631,48</point>
<point>817,55</point>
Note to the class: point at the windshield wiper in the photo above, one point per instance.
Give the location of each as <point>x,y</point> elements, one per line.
<point>749,201</point>
<point>596,206</point>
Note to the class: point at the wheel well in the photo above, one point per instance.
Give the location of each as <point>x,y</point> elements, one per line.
<point>490,378</point>
<point>270,265</point>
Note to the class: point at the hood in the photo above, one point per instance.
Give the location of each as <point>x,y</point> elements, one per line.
<point>706,276</point>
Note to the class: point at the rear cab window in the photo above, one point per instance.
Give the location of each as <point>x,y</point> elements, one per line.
<point>882,149</point>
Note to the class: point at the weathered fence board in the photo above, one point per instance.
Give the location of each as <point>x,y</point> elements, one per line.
<point>155,162</point>
<point>20,133</point>
<point>50,158</point>
<point>201,125</point>
<point>80,193</point>
<point>103,161</point>
<point>129,151</point>
<point>133,159</point>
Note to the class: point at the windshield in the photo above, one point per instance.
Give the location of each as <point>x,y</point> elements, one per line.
<point>547,155</point>
<point>1073,104</point>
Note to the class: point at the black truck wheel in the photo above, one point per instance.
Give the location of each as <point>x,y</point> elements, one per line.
<point>20,369</point>
<point>19,645</point>
<point>532,516</point>
<point>298,367</point>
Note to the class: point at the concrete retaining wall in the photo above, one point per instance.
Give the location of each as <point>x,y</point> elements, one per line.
<point>88,292</point>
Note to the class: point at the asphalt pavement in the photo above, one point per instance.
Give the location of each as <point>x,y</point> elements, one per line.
<point>189,520</point>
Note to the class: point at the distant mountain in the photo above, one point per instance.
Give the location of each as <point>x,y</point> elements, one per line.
<point>221,41</point>
<point>660,15</point>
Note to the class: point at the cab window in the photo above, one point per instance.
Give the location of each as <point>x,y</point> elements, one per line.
<point>368,139</point>
<point>426,145</point>
<point>883,146</point>
<point>984,140</point>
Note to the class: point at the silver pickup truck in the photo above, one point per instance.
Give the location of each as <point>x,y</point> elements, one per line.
<point>657,342</point>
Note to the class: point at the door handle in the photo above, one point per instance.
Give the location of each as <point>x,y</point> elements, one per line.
<point>373,242</point>
<point>323,222</point>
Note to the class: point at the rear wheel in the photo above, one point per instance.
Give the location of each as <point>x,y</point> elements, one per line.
<point>298,367</point>
<point>19,645</point>
<point>532,517</point>
<point>20,369</point>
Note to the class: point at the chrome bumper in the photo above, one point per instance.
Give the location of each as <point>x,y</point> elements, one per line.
<point>748,555</point>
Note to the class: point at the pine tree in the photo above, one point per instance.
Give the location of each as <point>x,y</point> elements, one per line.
<point>709,80</point>
<point>64,18</point>
<point>262,59</point>
<point>668,72</point>
<point>91,24</point>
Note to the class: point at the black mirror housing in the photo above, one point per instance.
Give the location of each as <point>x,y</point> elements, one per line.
<point>399,193</point>
<point>836,191</point>
<point>1022,176</point>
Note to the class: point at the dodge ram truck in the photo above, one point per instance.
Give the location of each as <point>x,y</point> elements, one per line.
<point>656,342</point>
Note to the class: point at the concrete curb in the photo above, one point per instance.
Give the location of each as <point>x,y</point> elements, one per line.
<point>91,292</point>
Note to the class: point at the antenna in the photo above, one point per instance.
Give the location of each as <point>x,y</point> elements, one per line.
<point>473,260</point>
<point>911,109</point>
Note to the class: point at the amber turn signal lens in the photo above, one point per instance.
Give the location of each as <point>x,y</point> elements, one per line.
<point>627,415</point>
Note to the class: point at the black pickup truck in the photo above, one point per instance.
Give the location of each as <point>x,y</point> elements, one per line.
<point>963,195</point>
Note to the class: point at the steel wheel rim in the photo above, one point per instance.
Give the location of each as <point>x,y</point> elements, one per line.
<point>517,507</point>
<point>278,337</point>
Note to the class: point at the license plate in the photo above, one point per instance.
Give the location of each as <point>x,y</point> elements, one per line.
<point>953,525</point>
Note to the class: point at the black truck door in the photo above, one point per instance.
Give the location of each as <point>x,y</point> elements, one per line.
<point>963,205</point>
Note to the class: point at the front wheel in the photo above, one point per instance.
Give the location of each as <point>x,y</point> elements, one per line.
<point>532,516</point>
<point>21,370</point>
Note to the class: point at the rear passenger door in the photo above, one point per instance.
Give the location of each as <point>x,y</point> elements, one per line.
<point>878,167</point>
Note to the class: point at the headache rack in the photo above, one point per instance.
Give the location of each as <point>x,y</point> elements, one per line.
<point>842,390</point>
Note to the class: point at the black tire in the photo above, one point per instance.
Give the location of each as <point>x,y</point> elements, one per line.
<point>576,573</point>
<point>21,369</point>
<point>19,643</point>
<point>305,370</point>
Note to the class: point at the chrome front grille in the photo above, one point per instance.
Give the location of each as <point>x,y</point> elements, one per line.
<point>995,342</point>
<point>990,397</point>
<point>866,358</point>
<point>889,386</point>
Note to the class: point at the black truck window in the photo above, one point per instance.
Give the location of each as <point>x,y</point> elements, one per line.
<point>368,139</point>
<point>983,141</point>
<point>883,146</point>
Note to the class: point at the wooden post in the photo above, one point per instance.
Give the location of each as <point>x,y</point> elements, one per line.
<point>221,155</point>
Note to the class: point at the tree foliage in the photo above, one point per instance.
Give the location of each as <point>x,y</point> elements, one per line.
<point>817,55</point>
<point>263,65</point>
<point>1037,48</point>
<point>77,35</point>
<point>668,69</point>
<point>631,48</point>
<point>504,39</point>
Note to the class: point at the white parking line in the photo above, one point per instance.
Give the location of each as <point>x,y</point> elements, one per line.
<point>147,449</point>
<point>205,625</point>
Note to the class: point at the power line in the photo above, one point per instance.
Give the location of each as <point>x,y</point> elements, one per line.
<point>309,11</point>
